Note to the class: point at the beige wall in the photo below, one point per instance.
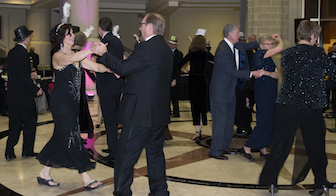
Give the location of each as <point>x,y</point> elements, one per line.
<point>13,18</point>
<point>184,23</point>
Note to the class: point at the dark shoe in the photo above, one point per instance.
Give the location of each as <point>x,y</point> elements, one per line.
<point>220,157</point>
<point>273,189</point>
<point>230,152</point>
<point>199,137</point>
<point>248,156</point>
<point>152,194</point>
<point>34,154</point>
<point>316,192</point>
<point>88,187</point>
<point>175,116</point>
<point>263,155</point>
<point>9,158</point>
<point>242,133</point>
<point>46,182</point>
<point>4,113</point>
<point>106,150</point>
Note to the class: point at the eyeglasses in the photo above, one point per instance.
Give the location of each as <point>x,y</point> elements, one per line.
<point>269,44</point>
<point>141,23</point>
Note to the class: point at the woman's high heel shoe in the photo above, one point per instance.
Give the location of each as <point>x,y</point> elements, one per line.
<point>273,189</point>
<point>246,155</point>
<point>324,190</point>
<point>263,155</point>
<point>98,125</point>
<point>198,137</point>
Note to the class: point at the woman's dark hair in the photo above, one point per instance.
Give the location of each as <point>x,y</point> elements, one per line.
<point>57,34</point>
<point>198,43</point>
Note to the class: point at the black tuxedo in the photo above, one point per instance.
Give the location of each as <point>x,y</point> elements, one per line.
<point>243,114</point>
<point>223,95</point>
<point>21,103</point>
<point>178,56</point>
<point>143,111</point>
<point>109,89</point>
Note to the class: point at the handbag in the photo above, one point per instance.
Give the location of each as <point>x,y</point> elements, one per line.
<point>41,103</point>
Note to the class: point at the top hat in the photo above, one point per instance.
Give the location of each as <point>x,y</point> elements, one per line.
<point>173,39</point>
<point>21,33</point>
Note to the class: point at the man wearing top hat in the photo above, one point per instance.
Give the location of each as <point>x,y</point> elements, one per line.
<point>21,92</point>
<point>178,56</point>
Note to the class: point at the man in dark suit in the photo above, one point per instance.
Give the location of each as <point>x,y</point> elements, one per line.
<point>178,56</point>
<point>3,88</point>
<point>244,90</point>
<point>109,87</point>
<point>34,57</point>
<point>144,107</point>
<point>223,84</point>
<point>21,92</point>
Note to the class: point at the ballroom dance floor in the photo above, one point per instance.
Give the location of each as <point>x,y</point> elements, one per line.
<point>190,172</point>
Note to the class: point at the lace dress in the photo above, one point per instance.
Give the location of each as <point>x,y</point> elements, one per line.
<point>65,148</point>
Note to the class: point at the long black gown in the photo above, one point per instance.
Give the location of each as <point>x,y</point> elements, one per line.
<point>65,148</point>
<point>265,92</point>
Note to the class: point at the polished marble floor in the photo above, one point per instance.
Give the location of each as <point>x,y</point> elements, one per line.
<point>190,172</point>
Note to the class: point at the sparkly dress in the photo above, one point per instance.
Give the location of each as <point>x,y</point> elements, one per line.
<point>65,148</point>
<point>265,92</point>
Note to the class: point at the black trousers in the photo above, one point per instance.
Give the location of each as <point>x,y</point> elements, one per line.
<point>243,115</point>
<point>109,106</point>
<point>311,123</point>
<point>131,142</point>
<point>174,94</point>
<point>21,119</point>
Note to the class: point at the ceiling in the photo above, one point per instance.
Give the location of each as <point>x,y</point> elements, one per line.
<point>132,6</point>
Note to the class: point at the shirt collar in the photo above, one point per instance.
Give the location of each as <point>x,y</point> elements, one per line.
<point>229,43</point>
<point>105,34</point>
<point>149,37</point>
<point>173,50</point>
<point>22,45</point>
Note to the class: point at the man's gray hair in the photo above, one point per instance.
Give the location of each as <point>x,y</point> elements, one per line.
<point>229,28</point>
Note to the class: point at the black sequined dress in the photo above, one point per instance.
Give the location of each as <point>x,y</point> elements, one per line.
<point>65,148</point>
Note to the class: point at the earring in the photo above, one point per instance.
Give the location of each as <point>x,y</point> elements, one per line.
<point>61,46</point>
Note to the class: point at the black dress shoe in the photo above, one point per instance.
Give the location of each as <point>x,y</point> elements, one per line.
<point>220,157</point>
<point>106,150</point>
<point>324,190</point>
<point>230,152</point>
<point>263,155</point>
<point>9,158</point>
<point>175,116</point>
<point>248,156</point>
<point>34,154</point>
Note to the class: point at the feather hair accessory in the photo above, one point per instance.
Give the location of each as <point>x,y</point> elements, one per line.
<point>190,39</point>
<point>136,38</point>
<point>115,31</point>
<point>88,31</point>
<point>66,15</point>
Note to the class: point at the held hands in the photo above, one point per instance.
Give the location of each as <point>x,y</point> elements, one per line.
<point>98,48</point>
<point>116,75</point>
<point>277,37</point>
<point>40,92</point>
<point>258,73</point>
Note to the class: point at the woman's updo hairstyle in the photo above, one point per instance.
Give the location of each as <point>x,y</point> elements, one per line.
<point>57,34</point>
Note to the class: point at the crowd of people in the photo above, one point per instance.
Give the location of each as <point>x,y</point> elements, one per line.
<point>136,93</point>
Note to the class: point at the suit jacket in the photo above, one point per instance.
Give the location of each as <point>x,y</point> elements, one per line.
<point>146,96</point>
<point>107,83</point>
<point>178,56</point>
<point>225,74</point>
<point>21,89</point>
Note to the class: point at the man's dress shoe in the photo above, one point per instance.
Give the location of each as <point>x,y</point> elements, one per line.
<point>34,154</point>
<point>229,152</point>
<point>9,158</point>
<point>220,157</point>
<point>106,150</point>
